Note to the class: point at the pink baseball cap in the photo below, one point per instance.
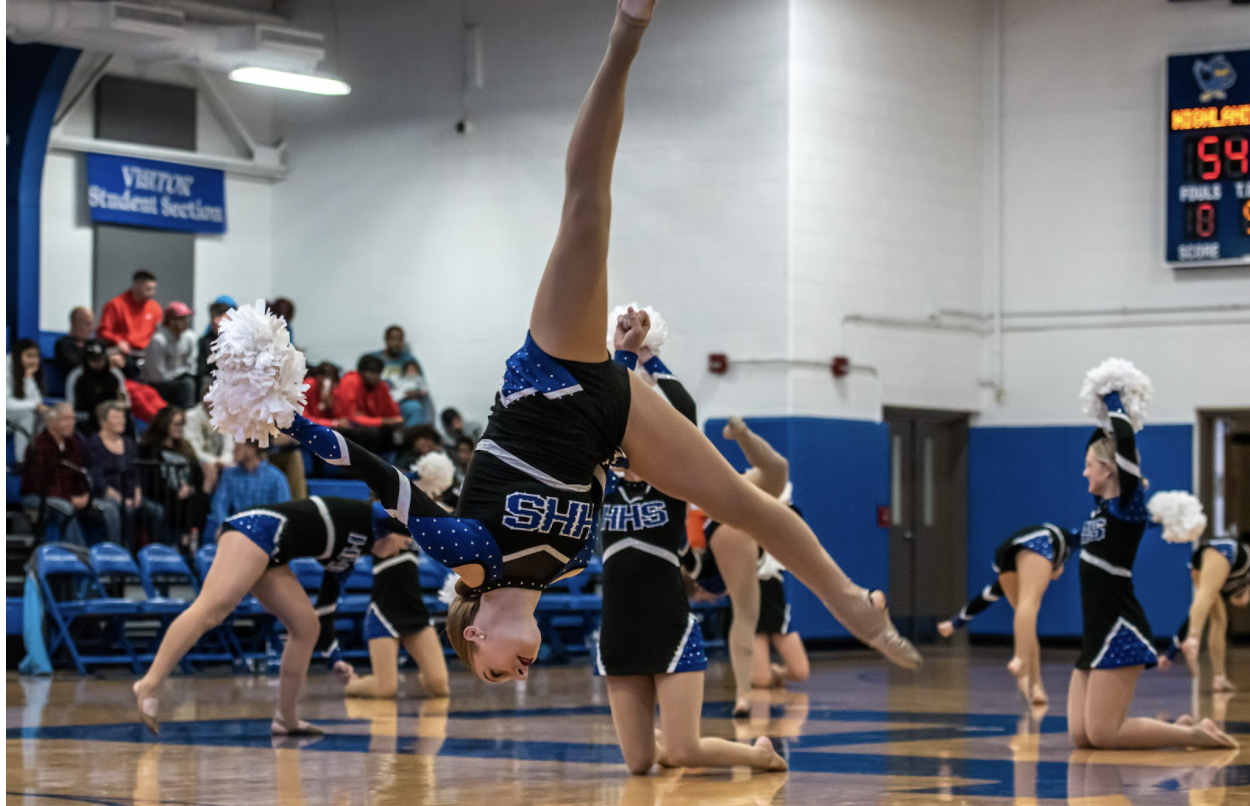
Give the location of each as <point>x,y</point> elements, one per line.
<point>177,309</point>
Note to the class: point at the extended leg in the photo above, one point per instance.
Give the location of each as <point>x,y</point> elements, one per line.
<point>736,555</point>
<point>1033,576</point>
<point>280,593</point>
<point>670,453</point>
<point>1208,581</point>
<point>571,304</point>
<point>769,469</point>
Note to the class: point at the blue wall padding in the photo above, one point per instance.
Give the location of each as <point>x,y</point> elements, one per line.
<point>1022,476</point>
<point>841,473</point>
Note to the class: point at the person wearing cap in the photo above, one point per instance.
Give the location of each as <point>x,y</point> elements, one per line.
<point>130,319</point>
<point>216,311</point>
<point>95,381</point>
<point>169,363</point>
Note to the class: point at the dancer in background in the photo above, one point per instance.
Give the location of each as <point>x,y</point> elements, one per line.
<point>532,494</point>
<point>252,555</point>
<point>650,644</point>
<point>1221,574</point>
<point>1026,564</point>
<point>772,631</point>
<point>1117,641</point>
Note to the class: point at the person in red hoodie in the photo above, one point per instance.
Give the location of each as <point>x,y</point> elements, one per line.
<point>366,403</point>
<point>130,318</point>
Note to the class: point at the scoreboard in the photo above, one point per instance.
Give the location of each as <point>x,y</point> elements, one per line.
<point>1208,159</point>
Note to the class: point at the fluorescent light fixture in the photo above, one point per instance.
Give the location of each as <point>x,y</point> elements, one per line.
<point>301,82</point>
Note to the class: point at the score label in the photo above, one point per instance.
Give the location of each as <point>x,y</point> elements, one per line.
<point>1208,159</point>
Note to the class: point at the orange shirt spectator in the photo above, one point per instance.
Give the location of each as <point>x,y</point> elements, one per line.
<point>364,400</point>
<point>130,318</point>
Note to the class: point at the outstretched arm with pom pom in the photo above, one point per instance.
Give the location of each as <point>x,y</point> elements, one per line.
<point>1125,448</point>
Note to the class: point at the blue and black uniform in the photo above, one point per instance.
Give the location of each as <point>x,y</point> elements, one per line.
<point>333,531</point>
<point>774,609</point>
<point>395,607</point>
<point>647,626</point>
<point>1046,539</point>
<point>1116,633</point>
<point>1238,556</point>
<point>529,506</point>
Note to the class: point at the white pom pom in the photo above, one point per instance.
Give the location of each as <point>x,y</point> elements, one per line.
<point>447,594</point>
<point>435,473</point>
<point>258,381</point>
<point>656,336</point>
<point>1180,513</point>
<point>1116,375</point>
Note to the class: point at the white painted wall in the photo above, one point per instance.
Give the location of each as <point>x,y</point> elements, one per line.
<point>885,106</point>
<point>1083,144</point>
<point>389,216</point>
<point>236,263</point>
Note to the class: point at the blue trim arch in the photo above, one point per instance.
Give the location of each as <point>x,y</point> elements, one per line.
<point>36,79</point>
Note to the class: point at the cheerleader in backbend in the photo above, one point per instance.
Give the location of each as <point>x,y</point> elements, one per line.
<point>252,555</point>
<point>1117,641</point>
<point>650,644</point>
<point>533,491</point>
<point>1026,563</point>
<point>1221,575</point>
<point>396,616</point>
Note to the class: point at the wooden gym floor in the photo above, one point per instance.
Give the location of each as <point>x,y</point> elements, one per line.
<point>856,733</point>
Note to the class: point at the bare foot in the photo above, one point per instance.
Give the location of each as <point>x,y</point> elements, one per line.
<point>1165,662</point>
<point>344,671</point>
<point>1015,665</point>
<point>1208,734</point>
<point>1038,695</point>
<point>661,755</point>
<point>148,707</point>
<point>946,629</point>
<point>638,9</point>
<point>742,708</point>
<point>735,428</point>
<point>302,728</point>
<point>1190,647</point>
<point>1222,685</point>
<point>1185,721</point>
<point>771,761</point>
<point>777,674</point>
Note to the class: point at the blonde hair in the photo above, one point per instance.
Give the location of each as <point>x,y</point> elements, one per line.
<point>460,614</point>
<point>1104,450</point>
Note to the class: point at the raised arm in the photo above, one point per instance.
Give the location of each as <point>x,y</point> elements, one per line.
<point>1125,448</point>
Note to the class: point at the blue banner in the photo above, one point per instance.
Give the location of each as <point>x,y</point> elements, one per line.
<point>162,195</point>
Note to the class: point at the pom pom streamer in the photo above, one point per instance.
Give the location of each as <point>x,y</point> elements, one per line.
<point>1180,513</point>
<point>1116,375</point>
<point>447,594</point>
<point>435,473</point>
<point>258,382</point>
<point>656,336</point>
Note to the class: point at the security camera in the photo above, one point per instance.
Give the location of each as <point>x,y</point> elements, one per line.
<point>462,127</point>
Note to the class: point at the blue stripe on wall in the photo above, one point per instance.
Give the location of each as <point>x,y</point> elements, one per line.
<point>1027,475</point>
<point>841,473</point>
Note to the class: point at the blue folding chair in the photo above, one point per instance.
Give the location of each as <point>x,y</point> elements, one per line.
<point>161,568</point>
<point>55,564</point>
<point>568,612</point>
<point>113,565</point>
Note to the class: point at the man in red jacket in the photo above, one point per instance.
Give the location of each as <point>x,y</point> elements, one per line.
<point>54,474</point>
<point>364,401</point>
<point>130,318</point>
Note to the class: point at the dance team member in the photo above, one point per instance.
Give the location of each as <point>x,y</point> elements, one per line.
<point>650,645</point>
<point>772,631</point>
<point>1026,564</point>
<point>396,615</point>
<point>1116,645</point>
<point>533,491</point>
<point>1221,574</point>
<point>252,555</point>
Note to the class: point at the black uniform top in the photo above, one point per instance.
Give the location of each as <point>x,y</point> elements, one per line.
<point>334,531</point>
<point>396,593</point>
<point>1238,557</point>
<point>1109,539</point>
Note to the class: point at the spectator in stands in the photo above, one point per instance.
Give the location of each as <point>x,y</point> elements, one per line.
<point>173,475</point>
<point>55,485</point>
<point>418,442</point>
<point>169,362</point>
<point>284,308</point>
<point>93,383</point>
<point>213,449</point>
<point>112,461</point>
<point>410,390</point>
<point>364,401</point>
<point>67,354</point>
<point>23,407</point>
<point>454,429</point>
<point>251,483</point>
<point>216,311</point>
<point>319,389</point>
<point>462,455</point>
<point>130,318</point>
